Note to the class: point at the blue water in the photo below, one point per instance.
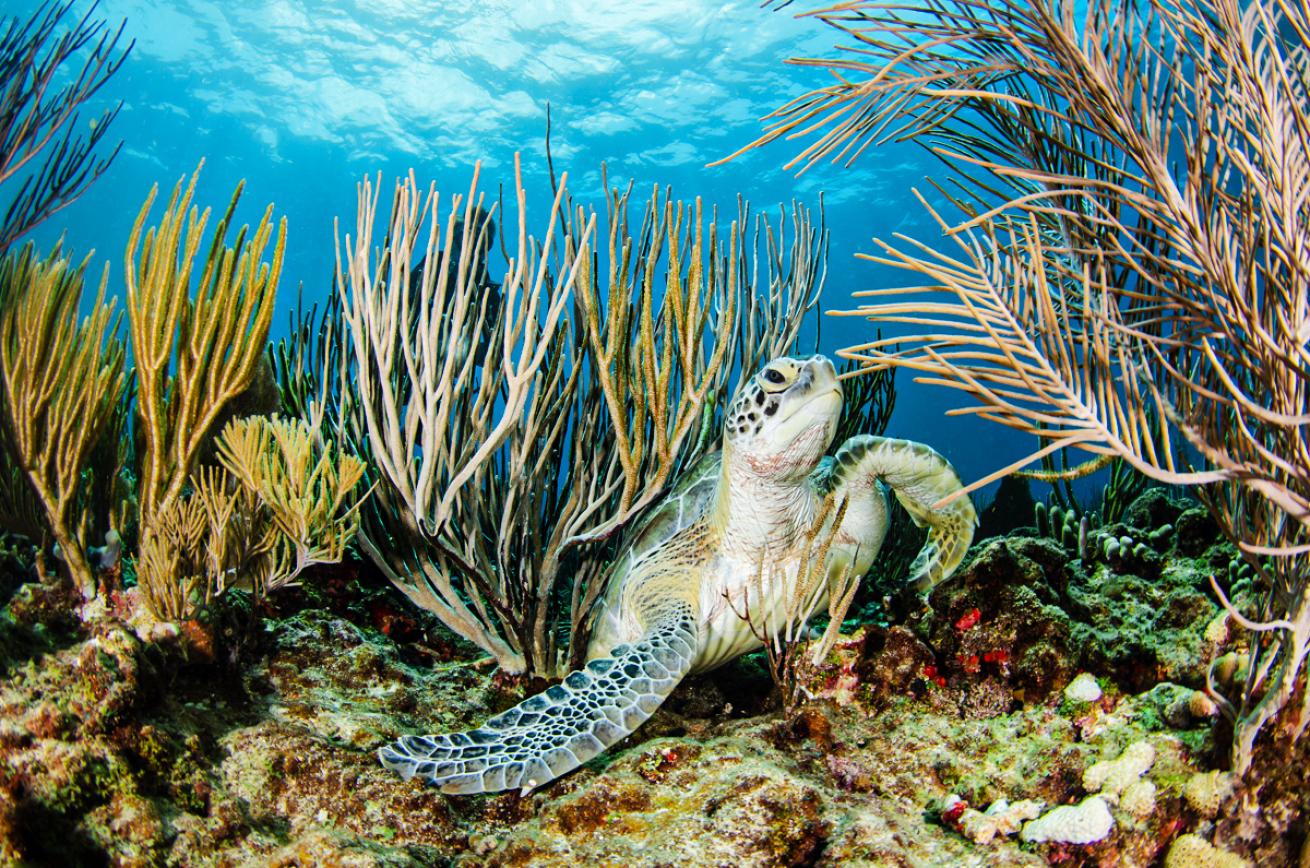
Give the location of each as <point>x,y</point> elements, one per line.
<point>304,99</point>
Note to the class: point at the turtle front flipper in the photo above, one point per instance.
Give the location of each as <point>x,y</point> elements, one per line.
<point>556,731</point>
<point>919,477</point>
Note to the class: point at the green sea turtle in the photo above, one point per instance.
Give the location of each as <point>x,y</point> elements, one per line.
<point>692,568</point>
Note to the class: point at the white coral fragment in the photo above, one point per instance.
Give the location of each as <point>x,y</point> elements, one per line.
<point>1206,791</point>
<point>1193,851</point>
<point>1001,818</point>
<point>1138,799</point>
<point>1114,776</point>
<point>1085,823</point>
<point>1083,689</point>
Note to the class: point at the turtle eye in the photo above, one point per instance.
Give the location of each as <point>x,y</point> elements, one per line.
<point>773,375</point>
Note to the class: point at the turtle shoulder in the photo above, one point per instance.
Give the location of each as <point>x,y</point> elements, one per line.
<point>683,505</point>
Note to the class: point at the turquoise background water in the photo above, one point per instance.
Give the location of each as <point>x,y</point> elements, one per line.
<point>304,99</point>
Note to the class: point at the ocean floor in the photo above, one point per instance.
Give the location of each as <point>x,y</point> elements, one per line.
<point>1040,679</point>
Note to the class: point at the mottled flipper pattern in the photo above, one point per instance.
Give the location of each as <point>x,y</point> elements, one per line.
<point>556,731</point>
<point>919,477</point>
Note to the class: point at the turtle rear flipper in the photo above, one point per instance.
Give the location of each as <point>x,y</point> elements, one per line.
<point>919,477</point>
<point>554,732</point>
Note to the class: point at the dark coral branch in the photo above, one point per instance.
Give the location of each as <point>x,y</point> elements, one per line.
<point>40,138</point>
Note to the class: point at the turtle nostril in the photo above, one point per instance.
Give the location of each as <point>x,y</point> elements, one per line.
<point>820,363</point>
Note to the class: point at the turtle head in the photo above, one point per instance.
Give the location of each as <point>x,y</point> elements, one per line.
<point>784,417</point>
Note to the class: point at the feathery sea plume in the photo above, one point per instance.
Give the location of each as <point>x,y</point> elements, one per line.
<point>1129,268</point>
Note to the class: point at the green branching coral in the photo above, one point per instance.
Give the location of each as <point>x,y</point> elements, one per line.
<point>61,385</point>
<point>869,402</point>
<point>193,354</point>
<point>306,364</point>
<point>306,489</point>
<point>1126,483</point>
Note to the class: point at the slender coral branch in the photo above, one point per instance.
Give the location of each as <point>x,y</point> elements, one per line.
<point>34,110</point>
<point>61,383</point>
<point>193,354</point>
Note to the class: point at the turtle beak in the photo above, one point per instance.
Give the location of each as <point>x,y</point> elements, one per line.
<point>819,394</point>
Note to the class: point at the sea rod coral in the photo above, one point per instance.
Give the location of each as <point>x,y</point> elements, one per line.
<point>43,152</point>
<point>505,481</point>
<point>72,469</point>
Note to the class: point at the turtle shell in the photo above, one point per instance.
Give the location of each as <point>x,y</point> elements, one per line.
<point>684,504</point>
